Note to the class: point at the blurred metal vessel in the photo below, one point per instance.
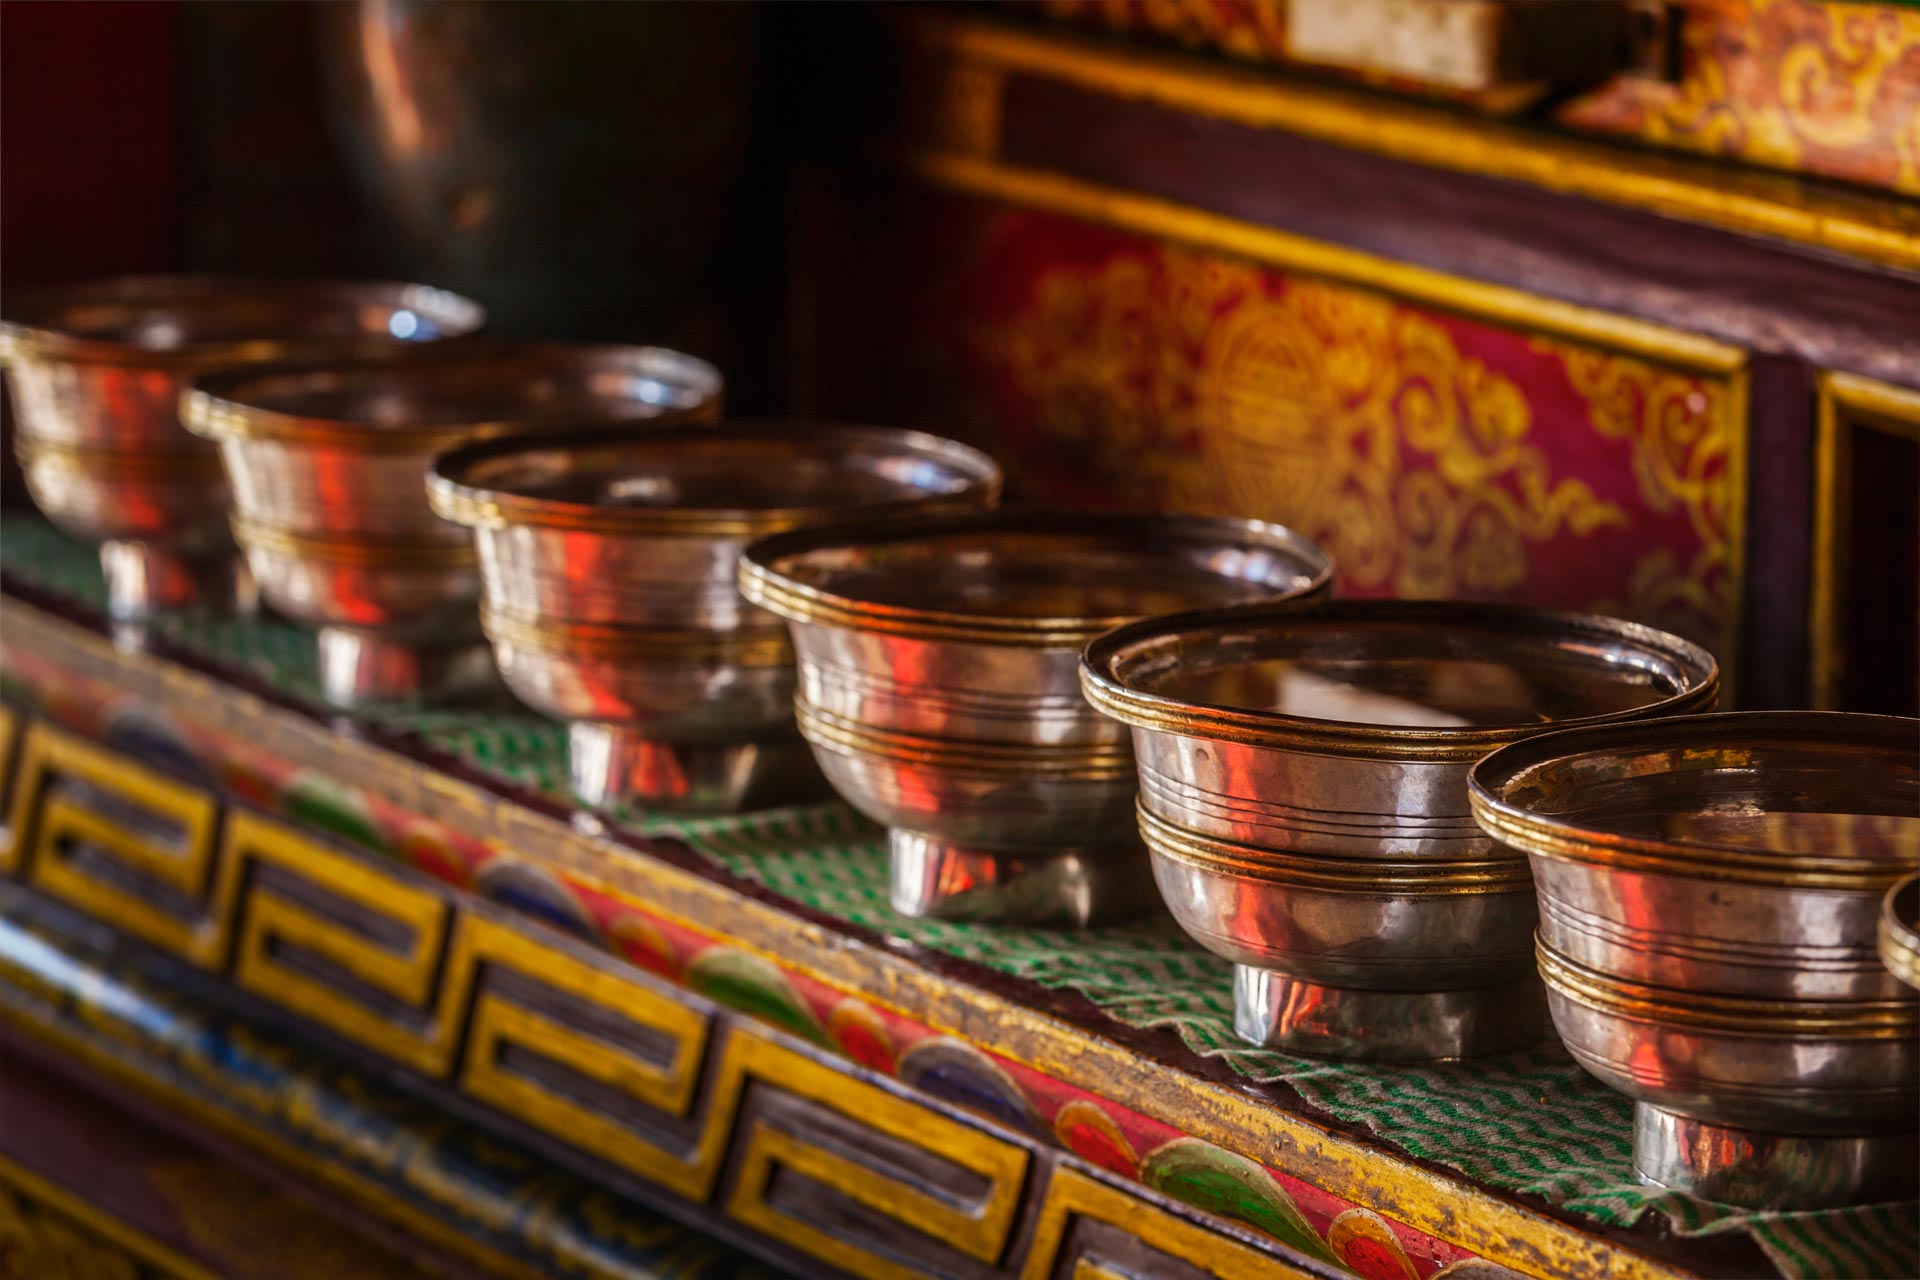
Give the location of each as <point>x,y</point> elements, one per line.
<point>1709,889</point>
<point>96,372</point>
<point>938,687</point>
<point>608,560</point>
<point>327,463</point>
<point>579,166</point>
<point>1900,930</point>
<point>1303,793</point>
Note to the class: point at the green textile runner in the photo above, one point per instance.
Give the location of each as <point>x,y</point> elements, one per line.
<point>1531,1122</point>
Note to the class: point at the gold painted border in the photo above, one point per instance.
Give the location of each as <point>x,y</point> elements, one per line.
<point>1845,403</point>
<point>672,1092</point>
<point>980,1231</point>
<point>410,978</point>
<point>143,1248</point>
<point>1879,231</point>
<point>38,821</point>
<point>365,1194</point>
<point>1477,300</point>
<point>1072,1194</point>
<point>1437,1202</point>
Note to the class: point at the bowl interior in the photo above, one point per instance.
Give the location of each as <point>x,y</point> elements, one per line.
<point>721,470</point>
<point>1855,800</point>
<point>1405,672</point>
<point>484,385</point>
<point>180,314</point>
<point>1004,570</point>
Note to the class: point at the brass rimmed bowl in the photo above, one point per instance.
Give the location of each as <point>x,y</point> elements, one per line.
<point>607,560</point>
<point>1900,930</point>
<point>1303,793</point>
<point>327,462</point>
<point>96,372</point>
<point>1709,892</point>
<point>938,687</point>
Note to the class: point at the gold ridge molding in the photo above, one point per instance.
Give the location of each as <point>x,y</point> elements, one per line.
<point>1858,226</point>
<point>138,1246</point>
<point>1439,1202</point>
<point>1845,403</point>
<point>1502,304</point>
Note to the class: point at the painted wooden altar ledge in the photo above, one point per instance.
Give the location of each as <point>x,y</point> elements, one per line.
<point>820,1092</point>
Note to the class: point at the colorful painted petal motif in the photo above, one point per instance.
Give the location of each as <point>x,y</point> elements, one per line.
<point>424,847</point>
<point>961,1074</point>
<point>317,799</point>
<point>754,986</point>
<point>1365,1242</point>
<point>535,891</point>
<point>1474,1269</point>
<point>862,1035</point>
<point>1208,1178</point>
<point>1090,1133</point>
<point>639,941</point>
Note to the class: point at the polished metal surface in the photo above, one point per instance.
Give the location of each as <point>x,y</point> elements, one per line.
<point>1279,1011</point>
<point>1073,887</point>
<point>328,461</point>
<point>1368,924</point>
<point>361,669</point>
<point>608,562</point>
<point>1900,930</point>
<point>144,579</point>
<point>1751,1100</point>
<point>1745,854</point>
<point>1303,793</point>
<point>612,767</point>
<point>1709,888</point>
<point>938,685</point>
<point>96,372</point>
<point>1769,1170</point>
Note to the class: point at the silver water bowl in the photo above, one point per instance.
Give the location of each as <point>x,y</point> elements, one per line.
<point>1303,793</point>
<point>327,463</point>
<point>1709,890</point>
<point>939,687</point>
<point>608,563</point>
<point>96,372</point>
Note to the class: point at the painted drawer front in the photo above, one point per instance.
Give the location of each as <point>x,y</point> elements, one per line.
<point>341,941</point>
<point>126,843</point>
<point>608,1063</point>
<point>863,1177</point>
<point>1091,1230</point>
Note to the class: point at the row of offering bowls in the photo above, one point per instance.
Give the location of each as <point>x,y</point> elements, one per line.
<point>1395,819</point>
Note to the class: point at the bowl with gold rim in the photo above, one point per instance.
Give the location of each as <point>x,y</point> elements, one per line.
<point>327,462</point>
<point>938,687</point>
<point>1709,891</point>
<point>1303,792</point>
<point>608,558</point>
<point>96,371</point>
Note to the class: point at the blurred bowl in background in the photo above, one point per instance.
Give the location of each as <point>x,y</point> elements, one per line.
<point>96,372</point>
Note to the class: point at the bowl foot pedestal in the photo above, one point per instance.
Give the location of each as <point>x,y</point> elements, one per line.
<point>1771,1171</point>
<point>614,770</point>
<point>144,580</point>
<point>358,669</point>
<point>1073,887</point>
<point>1276,1011</point>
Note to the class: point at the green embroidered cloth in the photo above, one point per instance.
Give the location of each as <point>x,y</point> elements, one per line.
<point>1529,1122</point>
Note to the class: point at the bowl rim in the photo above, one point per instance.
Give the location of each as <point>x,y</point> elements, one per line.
<point>1899,932</point>
<point>215,406</point>
<point>479,507</point>
<point>26,332</point>
<point>1544,835</point>
<point>1108,689</point>
<point>764,584</point>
